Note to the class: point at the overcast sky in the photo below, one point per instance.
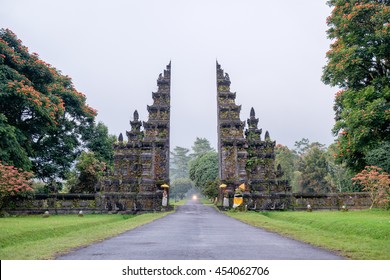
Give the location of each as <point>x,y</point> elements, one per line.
<point>114,50</point>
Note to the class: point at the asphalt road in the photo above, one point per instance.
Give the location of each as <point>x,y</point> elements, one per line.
<point>199,232</point>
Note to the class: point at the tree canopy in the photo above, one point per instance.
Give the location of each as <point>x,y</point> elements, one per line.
<point>180,187</point>
<point>204,169</point>
<point>179,163</point>
<point>45,122</point>
<point>311,167</point>
<point>200,147</point>
<point>87,173</point>
<point>359,55</point>
<point>359,64</point>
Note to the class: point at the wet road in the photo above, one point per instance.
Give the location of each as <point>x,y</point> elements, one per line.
<point>199,232</point>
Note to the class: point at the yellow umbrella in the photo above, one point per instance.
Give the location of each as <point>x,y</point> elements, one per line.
<point>242,187</point>
<point>165,186</point>
<point>222,186</point>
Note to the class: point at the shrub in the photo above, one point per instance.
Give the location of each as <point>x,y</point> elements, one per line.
<point>377,183</point>
<point>13,183</point>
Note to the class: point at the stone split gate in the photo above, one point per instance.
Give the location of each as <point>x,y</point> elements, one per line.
<point>141,164</point>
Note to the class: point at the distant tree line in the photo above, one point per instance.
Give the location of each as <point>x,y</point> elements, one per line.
<point>197,170</point>
<point>312,168</point>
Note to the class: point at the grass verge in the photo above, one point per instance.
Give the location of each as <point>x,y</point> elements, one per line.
<point>363,234</point>
<point>206,201</point>
<point>36,238</point>
<point>179,202</point>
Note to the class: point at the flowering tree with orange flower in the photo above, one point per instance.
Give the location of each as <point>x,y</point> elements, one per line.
<point>13,183</point>
<point>359,64</point>
<point>377,183</point>
<point>49,119</point>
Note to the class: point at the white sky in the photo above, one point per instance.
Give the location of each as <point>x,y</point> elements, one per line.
<point>114,50</point>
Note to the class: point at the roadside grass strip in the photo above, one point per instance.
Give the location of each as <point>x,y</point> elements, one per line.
<point>363,234</point>
<point>36,238</point>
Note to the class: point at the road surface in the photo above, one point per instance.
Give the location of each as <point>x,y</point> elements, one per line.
<point>199,232</point>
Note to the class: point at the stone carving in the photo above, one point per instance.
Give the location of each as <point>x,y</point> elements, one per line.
<point>247,159</point>
<point>141,165</point>
<point>135,115</point>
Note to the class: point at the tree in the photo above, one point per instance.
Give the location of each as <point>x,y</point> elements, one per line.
<point>380,156</point>
<point>377,183</point>
<point>358,63</point>
<point>204,169</point>
<point>302,146</point>
<point>359,55</point>
<point>339,175</point>
<point>313,168</point>
<point>287,159</point>
<point>11,150</point>
<point>87,173</point>
<point>180,187</point>
<point>362,124</point>
<point>211,189</point>
<point>179,162</point>
<point>101,143</point>
<point>13,183</point>
<point>200,147</point>
<point>48,119</point>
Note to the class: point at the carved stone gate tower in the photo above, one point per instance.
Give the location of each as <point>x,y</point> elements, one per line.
<point>247,159</point>
<point>231,141</point>
<point>141,164</point>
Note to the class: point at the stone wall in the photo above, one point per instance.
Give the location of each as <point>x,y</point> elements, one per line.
<point>134,203</point>
<point>56,204</point>
<point>330,201</point>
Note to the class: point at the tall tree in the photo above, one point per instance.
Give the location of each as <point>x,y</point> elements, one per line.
<point>101,143</point>
<point>179,163</point>
<point>47,117</point>
<point>313,168</point>
<point>88,171</point>
<point>204,169</point>
<point>200,147</point>
<point>11,150</point>
<point>380,156</point>
<point>359,64</point>
<point>302,146</point>
<point>180,187</point>
<point>339,175</point>
<point>288,160</point>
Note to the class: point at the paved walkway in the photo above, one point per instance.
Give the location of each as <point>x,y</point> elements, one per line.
<point>199,232</point>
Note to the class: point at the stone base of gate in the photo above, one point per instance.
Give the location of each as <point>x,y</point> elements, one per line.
<point>274,201</point>
<point>257,201</point>
<point>133,202</point>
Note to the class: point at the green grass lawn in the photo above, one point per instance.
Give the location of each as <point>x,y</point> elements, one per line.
<point>34,237</point>
<point>363,234</point>
<point>206,201</point>
<point>179,202</point>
